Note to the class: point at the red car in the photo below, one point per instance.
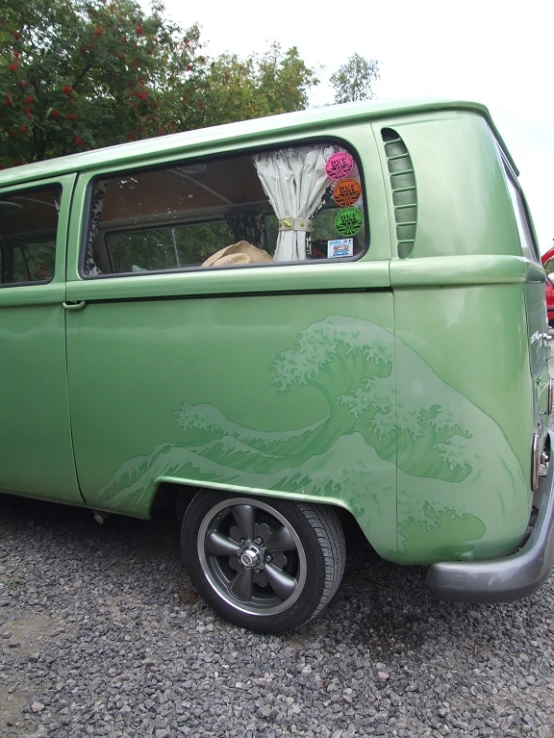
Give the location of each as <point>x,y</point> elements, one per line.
<point>548,264</point>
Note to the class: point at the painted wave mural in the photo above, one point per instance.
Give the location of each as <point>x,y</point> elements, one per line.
<point>415,458</point>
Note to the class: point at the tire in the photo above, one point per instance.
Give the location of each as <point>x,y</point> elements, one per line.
<point>266,565</point>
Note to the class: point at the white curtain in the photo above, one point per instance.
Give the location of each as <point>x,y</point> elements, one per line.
<point>294,181</point>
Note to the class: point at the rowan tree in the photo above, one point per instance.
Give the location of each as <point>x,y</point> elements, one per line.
<point>80,74</point>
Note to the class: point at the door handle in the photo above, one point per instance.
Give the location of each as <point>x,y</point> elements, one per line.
<point>74,305</point>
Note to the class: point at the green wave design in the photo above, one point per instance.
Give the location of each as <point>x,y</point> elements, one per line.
<point>372,431</point>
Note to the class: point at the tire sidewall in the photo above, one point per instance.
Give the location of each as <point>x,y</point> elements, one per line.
<point>294,616</point>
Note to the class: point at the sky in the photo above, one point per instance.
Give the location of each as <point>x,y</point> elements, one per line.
<point>497,53</point>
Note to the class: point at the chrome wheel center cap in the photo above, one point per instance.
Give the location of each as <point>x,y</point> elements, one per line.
<point>251,558</point>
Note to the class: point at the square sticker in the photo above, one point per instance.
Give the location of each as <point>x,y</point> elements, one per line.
<point>340,247</point>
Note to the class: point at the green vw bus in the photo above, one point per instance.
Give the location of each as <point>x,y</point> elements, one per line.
<point>286,326</point>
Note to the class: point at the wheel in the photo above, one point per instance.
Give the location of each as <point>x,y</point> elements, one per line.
<point>266,565</point>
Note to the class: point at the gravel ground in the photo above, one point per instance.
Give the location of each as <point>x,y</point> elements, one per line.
<point>101,634</point>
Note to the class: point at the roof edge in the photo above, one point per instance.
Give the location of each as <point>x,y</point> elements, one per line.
<point>134,153</point>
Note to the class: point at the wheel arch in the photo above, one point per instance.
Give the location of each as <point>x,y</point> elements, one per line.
<point>177,496</point>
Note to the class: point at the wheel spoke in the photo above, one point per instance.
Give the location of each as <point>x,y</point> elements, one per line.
<point>283,584</point>
<point>281,540</point>
<point>245,518</point>
<point>219,545</point>
<point>242,585</point>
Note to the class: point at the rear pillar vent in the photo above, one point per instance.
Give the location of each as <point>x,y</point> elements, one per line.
<point>404,192</point>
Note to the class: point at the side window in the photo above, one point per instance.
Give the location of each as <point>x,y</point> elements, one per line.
<point>157,249</point>
<point>526,239</point>
<point>28,227</point>
<point>299,204</point>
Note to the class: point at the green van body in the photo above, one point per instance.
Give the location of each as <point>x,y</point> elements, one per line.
<point>407,386</point>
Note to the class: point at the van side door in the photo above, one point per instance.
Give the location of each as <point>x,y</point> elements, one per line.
<point>36,452</point>
<point>267,375</point>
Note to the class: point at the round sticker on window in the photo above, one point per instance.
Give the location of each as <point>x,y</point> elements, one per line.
<point>346,192</point>
<point>339,165</point>
<point>349,221</point>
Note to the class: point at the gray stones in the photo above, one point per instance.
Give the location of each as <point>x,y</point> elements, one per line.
<point>123,648</point>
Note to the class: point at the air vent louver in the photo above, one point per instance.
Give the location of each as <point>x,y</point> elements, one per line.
<point>404,193</point>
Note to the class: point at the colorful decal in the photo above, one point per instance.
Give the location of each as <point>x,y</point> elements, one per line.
<point>347,192</point>
<point>340,247</point>
<point>339,165</point>
<point>349,221</point>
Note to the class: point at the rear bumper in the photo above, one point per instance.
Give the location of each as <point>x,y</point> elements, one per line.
<point>510,578</point>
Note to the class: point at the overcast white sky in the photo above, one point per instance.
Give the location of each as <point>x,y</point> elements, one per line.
<point>494,52</point>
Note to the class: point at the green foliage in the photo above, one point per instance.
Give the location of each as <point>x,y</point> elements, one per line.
<point>15,584</point>
<point>238,89</point>
<point>354,81</point>
<point>79,74</point>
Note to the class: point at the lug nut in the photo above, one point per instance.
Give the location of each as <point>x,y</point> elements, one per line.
<point>258,541</point>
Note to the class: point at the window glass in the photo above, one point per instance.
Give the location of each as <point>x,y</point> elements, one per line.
<point>28,226</point>
<point>166,248</point>
<point>299,204</point>
<point>525,234</point>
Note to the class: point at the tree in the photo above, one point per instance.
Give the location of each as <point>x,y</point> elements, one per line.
<point>230,88</point>
<point>79,74</point>
<point>355,80</point>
